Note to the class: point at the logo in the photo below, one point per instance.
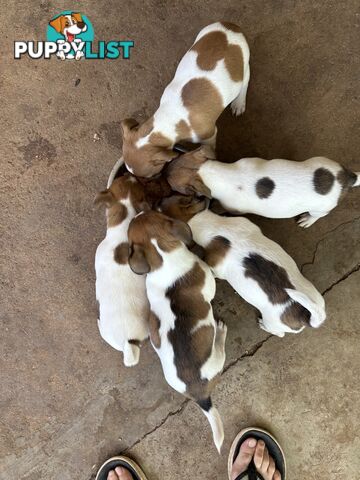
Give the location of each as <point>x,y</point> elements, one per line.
<point>70,35</point>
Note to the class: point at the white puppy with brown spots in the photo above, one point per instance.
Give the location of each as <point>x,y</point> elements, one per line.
<point>212,74</point>
<point>123,304</point>
<point>180,288</point>
<point>271,188</point>
<point>259,270</point>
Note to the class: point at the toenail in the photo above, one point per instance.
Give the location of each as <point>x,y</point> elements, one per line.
<point>261,443</point>
<point>119,470</point>
<point>252,443</point>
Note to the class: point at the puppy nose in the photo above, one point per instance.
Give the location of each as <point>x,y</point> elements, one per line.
<point>81,24</point>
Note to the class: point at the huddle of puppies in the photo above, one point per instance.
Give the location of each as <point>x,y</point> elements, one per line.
<point>149,279</point>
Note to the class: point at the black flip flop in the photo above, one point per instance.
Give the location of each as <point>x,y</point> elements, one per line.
<point>274,448</point>
<point>120,461</point>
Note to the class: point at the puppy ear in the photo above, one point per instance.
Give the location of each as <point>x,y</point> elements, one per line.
<point>182,231</point>
<point>206,151</point>
<point>127,125</point>
<point>57,24</point>
<point>77,17</point>
<point>165,155</point>
<point>138,262</point>
<point>105,197</point>
<point>200,187</point>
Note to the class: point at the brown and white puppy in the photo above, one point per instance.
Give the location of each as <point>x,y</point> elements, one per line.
<point>272,188</point>
<point>123,304</point>
<point>212,74</point>
<point>180,288</point>
<point>259,270</point>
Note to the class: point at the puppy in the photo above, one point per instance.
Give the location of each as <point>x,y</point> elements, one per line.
<point>123,304</point>
<point>180,288</point>
<point>271,188</point>
<point>212,74</point>
<point>260,271</point>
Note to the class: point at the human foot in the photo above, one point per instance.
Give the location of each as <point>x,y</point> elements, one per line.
<point>119,473</point>
<point>264,463</point>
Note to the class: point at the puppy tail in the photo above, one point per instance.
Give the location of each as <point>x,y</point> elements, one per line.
<point>357,181</point>
<point>215,421</point>
<point>317,312</point>
<point>131,354</point>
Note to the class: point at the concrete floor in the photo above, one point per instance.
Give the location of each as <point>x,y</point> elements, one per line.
<point>67,403</point>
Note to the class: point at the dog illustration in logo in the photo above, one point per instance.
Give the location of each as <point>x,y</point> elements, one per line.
<point>69,26</point>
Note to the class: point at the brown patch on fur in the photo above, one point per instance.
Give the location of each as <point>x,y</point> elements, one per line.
<point>231,26</point>
<point>122,187</point>
<point>216,250</point>
<point>191,350</point>
<point>295,316</point>
<point>182,173</point>
<point>264,187</point>
<point>135,342</point>
<point>149,159</point>
<point>272,278</point>
<point>323,180</point>
<point>168,233</point>
<point>121,253</point>
<point>346,178</point>
<point>154,327</point>
<point>116,215</point>
<point>155,189</point>
<point>182,207</point>
<point>183,131</point>
<point>210,49</point>
<point>234,62</point>
<point>157,138</point>
<point>204,103</point>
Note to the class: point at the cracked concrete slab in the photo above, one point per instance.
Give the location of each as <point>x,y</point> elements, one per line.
<point>67,403</point>
<point>302,388</point>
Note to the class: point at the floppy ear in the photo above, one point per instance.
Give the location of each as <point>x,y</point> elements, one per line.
<point>57,24</point>
<point>105,197</point>
<point>207,152</point>
<point>182,231</point>
<point>165,155</point>
<point>127,125</point>
<point>77,17</point>
<point>200,188</point>
<point>138,262</point>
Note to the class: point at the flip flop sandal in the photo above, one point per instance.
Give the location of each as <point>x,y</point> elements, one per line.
<point>275,451</point>
<point>120,461</point>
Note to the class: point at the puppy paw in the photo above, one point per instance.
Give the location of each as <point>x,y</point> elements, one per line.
<point>238,109</point>
<point>221,327</point>
<point>306,220</point>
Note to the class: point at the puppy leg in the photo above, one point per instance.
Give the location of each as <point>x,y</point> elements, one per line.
<point>308,219</point>
<point>211,140</point>
<point>271,326</point>
<point>238,105</point>
<point>215,363</point>
<point>219,344</point>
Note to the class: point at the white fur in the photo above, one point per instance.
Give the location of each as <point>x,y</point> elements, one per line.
<point>176,264</point>
<point>123,304</point>
<point>246,238</point>
<point>234,185</point>
<point>172,110</point>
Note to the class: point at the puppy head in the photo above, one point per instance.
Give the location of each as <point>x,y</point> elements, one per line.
<point>168,233</point>
<point>183,207</point>
<point>72,23</point>
<point>149,159</point>
<point>182,173</point>
<point>124,187</point>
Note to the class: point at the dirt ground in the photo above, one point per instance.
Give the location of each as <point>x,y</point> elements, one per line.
<point>67,402</point>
